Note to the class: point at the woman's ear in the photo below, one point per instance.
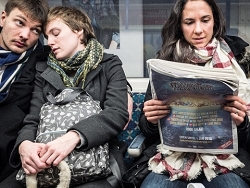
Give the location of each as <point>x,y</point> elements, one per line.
<point>80,33</point>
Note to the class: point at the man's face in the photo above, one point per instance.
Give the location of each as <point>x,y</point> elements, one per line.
<point>19,32</point>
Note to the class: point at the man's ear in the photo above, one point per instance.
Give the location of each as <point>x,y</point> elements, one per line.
<point>3,17</point>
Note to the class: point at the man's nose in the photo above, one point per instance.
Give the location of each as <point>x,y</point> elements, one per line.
<point>25,33</point>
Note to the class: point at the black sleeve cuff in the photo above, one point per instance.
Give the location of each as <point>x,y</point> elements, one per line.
<point>244,126</point>
<point>243,131</point>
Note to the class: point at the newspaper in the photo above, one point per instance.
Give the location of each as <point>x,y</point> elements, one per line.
<point>197,122</point>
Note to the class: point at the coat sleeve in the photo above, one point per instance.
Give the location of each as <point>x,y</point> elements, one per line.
<point>28,132</point>
<point>148,129</point>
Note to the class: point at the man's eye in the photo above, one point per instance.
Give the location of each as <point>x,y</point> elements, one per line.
<point>37,31</point>
<point>20,23</point>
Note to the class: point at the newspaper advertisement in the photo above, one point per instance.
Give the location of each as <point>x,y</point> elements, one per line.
<point>197,121</point>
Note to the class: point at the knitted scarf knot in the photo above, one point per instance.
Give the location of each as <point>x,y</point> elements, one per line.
<point>81,63</point>
<point>217,51</point>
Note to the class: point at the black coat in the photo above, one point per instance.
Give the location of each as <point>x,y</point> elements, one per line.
<point>14,108</point>
<point>107,84</point>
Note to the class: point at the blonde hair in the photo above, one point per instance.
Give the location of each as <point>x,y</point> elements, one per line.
<point>74,18</point>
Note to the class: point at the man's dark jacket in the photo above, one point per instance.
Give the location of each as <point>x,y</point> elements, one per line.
<point>14,108</point>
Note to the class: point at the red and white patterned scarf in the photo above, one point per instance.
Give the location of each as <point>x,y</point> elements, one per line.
<point>188,166</point>
<point>216,52</point>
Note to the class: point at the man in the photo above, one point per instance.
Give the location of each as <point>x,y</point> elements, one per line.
<point>21,26</point>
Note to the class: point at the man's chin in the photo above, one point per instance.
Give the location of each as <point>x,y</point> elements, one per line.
<point>18,50</point>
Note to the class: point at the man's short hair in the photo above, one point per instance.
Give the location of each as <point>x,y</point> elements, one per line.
<point>37,10</point>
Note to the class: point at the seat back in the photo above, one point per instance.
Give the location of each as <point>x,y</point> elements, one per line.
<point>133,129</point>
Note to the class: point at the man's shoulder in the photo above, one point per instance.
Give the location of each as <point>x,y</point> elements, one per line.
<point>41,53</point>
<point>39,57</point>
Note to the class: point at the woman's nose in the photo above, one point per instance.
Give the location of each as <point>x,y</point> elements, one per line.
<point>50,41</point>
<point>198,29</point>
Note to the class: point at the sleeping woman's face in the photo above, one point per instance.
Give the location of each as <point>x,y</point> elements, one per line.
<point>197,23</point>
<point>63,41</point>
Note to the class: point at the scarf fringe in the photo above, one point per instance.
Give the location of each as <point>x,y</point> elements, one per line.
<point>189,166</point>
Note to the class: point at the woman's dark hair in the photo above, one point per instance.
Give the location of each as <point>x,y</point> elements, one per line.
<point>171,32</point>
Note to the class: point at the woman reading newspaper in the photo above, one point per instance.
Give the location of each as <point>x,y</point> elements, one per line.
<point>195,34</point>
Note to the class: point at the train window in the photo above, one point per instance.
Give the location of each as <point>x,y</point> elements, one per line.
<point>132,29</point>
